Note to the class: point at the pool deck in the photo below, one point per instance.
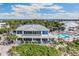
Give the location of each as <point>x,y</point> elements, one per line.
<point>72,33</point>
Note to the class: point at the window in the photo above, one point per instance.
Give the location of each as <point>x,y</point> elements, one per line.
<point>32,32</point>
<point>19,32</point>
<point>25,32</point>
<point>36,32</point>
<point>44,32</point>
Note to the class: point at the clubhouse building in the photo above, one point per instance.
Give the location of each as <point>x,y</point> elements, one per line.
<point>33,33</point>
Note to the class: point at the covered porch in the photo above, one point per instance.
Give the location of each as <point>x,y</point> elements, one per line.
<point>36,40</point>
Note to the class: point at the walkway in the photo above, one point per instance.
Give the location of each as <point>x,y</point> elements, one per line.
<point>4,48</point>
<point>2,38</point>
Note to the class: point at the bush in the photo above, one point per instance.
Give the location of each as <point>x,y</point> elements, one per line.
<point>34,50</point>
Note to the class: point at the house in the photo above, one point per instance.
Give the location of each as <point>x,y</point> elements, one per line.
<point>33,33</point>
<point>71,26</point>
<point>4,25</point>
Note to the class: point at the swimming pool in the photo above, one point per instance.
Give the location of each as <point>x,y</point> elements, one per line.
<point>63,36</point>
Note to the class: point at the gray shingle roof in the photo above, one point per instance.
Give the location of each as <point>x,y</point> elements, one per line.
<point>32,27</point>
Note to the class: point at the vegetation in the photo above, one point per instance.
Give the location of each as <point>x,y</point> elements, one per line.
<point>15,23</point>
<point>69,48</point>
<point>30,49</point>
<point>34,50</point>
<point>4,30</point>
<point>72,48</point>
<point>11,37</point>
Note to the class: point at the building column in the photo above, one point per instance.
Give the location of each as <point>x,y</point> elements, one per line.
<point>41,41</point>
<point>32,40</point>
<point>22,32</point>
<point>23,40</point>
<point>48,39</point>
<point>41,32</point>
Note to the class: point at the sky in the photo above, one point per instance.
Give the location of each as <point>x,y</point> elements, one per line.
<point>39,11</point>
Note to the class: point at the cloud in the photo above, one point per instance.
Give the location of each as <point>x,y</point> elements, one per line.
<point>20,11</point>
<point>41,16</point>
<point>33,7</point>
<point>21,8</point>
<point>56,7</point>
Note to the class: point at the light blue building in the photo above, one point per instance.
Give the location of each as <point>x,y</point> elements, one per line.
<point>33,33</point>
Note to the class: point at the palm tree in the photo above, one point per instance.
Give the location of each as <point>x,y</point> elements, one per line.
<point>12,38</point>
